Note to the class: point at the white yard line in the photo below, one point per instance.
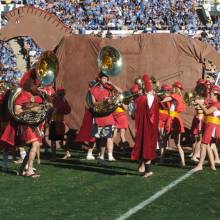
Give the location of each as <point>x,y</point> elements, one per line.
<point>158,194</point>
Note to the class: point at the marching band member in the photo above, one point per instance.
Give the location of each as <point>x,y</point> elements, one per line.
<point>24,133</point>
<point>85,131</point>
<point>104,126</point>
<point>121,123</point>
<point>211,129</point>
<point>4,119</point>
<point>61,108</point>
<point>146,116</point>
<point>175,123</point>
<point>163,117</point>
<point>197,126</point>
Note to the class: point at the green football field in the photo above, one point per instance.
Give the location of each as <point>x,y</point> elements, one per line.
<point>80,189</point>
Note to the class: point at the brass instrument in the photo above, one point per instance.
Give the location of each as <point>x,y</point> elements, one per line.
<point>199,92</point>
<point>139,81</point>
<point>27,116</point>
<point>110,104</point>
<point>46,71</point>
<point>110,63</point>
<point>190,97</point>
<point>47,68</point>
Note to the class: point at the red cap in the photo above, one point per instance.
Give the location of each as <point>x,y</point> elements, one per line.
<point>215,89</point>
<point>178,84</point>
<point>201,81</point>
<point>60,88</point>
<point>134,88</point>
<point>147,82</point>
<point>166,87</point>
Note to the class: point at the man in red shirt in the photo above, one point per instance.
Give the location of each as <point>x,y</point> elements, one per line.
<point>103,126</point>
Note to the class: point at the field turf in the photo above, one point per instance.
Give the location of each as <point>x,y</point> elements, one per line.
<point>80,189</point>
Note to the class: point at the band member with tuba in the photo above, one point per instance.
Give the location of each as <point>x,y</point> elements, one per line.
<point>61,108</point>
<point>104,125</point>
<point>146,116</point>
<point>17,133</point>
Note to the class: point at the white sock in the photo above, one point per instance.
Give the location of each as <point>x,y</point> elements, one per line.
<point>23,154</point>
<point>110,155</point>
<point>101,157</point>
<point>89,153</point>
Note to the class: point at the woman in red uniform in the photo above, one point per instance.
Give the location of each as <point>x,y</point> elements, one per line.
<point>174,124</point>
<point>57,127</point>
<point>163,117</point>
<point>197,126</point>
<point>121,123</point>
<point>212,128</point>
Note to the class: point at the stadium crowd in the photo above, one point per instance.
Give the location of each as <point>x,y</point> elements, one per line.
<point>8,63</point>
<point>123,14</point>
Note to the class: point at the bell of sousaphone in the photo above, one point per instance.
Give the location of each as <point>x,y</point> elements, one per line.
<point>47,68</point>
<point>109,61</point>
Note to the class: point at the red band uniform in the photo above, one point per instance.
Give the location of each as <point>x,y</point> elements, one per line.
<point>57,124</point>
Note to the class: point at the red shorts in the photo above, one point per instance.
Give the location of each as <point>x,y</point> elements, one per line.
<point>162,120</point>
<point>197,125</point>
<point>121,120</point>
<point>208,131</point>
<point>28,134</point>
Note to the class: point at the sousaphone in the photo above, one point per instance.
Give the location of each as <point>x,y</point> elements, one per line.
<point>110,63</point>
<point>46,70</point>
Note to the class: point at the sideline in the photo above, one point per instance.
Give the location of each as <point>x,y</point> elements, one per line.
<point>158,194</point>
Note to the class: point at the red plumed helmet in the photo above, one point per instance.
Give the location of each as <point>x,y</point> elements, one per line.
<point>147,82</point>
<point>166,87</point>
<point>134,88</point>
<point>178,84</point>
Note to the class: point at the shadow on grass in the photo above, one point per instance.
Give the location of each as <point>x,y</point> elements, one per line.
<point>92,167</point>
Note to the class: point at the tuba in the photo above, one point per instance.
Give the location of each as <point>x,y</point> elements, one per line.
<point>110,63</point>
<point>46,70</point>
